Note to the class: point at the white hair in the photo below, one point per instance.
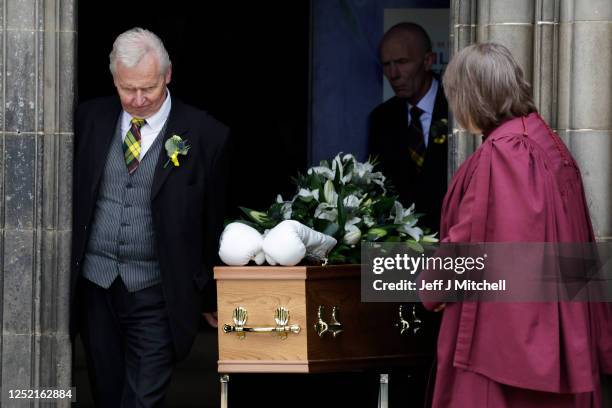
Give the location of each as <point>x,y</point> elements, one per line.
<point>131,46</point>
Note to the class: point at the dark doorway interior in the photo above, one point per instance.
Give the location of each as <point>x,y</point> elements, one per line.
<point>247,63</point>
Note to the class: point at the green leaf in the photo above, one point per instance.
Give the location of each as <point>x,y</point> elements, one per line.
<point>415,246</point>
<point>341,212</point>
<point>382,207</point>
<point>260,218</point>
<point>336,258</point>
<point>275,213</point>
<point>376,233</point>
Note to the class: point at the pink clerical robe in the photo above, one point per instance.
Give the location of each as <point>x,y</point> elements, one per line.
<point>521,185</point>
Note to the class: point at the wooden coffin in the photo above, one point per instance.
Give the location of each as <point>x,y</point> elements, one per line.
<point>370,336</point>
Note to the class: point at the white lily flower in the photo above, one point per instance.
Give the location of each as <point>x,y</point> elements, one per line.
<point>378,178</point>
<point>352,235</point>
<point>415,232</point>
<point>431,238</point>
<point>287,210</point>
<point>329,193</point>
<point>368,221</point>
<point>410,221</point>
<point>352,221</point>
<point>322,171</point>
<point>362,170</point>
<point>351,201</point>
<point>403,216</point>
<point>348,157</point>
<point>346,178</point>
<point>326,211</point>
<point>337,166</point>
<point>309,194</point>
<point>398,212</point>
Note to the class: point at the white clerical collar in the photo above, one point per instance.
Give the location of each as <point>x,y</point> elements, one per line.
<point>427,103</point>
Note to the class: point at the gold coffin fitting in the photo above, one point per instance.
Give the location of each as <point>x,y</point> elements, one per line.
<point>281,318</point>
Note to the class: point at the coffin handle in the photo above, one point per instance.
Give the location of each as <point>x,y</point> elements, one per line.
<point>281,318</point>
<point>334,326</point>
<point>412,325</point>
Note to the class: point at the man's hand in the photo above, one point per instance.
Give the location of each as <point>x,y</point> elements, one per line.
<point>211,319</point>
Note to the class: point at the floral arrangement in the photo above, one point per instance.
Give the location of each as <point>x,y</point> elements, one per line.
<point>175,146</point>
<point>348,200</point>
<point>438,131</point>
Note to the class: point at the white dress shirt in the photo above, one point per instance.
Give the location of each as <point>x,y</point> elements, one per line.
<point>426,104</point>
<point>151,129</point>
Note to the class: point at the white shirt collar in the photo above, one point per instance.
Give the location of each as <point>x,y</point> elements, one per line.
<point>426,104</point>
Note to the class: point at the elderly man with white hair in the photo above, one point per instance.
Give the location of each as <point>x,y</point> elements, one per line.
<point>149,176</point>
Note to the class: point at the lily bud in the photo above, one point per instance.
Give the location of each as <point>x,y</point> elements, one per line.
<point>352,235</point>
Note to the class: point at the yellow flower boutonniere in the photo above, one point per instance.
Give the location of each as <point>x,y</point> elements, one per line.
<point>438,131</point>
<point>439,139</point>
<point>175,146</point>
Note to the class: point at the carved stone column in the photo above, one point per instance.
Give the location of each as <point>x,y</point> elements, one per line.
<point>565,49</point>
<point>584,109</point>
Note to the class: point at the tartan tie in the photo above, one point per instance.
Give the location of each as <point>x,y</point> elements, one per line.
<point>416,140</point>
<point>131,145</point>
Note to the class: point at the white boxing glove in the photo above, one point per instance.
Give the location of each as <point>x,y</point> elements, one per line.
<point>239,244</point>
<point>290,241</point>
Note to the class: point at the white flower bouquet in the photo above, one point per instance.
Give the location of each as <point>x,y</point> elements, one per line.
<point>347,200</point>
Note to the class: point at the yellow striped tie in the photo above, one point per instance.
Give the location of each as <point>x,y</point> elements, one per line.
<point>131,145</point>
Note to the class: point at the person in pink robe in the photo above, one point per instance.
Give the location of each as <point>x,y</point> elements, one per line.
<point>520,185</point>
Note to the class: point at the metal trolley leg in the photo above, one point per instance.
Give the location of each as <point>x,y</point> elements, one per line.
<point>383,393</point>
<point>224,389</point>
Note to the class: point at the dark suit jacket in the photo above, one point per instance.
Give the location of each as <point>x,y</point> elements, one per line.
<point>388,141</point>
<point>187,204</point>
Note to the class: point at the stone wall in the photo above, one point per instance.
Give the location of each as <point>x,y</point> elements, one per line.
<point>565,49</point>
<point>37,66</point>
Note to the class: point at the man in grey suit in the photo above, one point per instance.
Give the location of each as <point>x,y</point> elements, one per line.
<point>149,179</point>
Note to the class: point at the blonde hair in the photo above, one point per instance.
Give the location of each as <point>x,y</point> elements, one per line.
<point>485,86</point>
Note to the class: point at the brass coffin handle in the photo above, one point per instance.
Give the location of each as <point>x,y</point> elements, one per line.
<point>334,326</point>
<point>411,326</point>
<point>281,318</point>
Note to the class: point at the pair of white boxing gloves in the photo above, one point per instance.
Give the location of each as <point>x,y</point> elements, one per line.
<point>286,244</point>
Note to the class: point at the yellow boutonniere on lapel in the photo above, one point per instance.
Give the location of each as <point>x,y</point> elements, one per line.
<point>175,146</point>
<point>438,131</point>
<point>439,139</point>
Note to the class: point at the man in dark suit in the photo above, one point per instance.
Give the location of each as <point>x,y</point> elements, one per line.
<point>149,176</point>
<point>408,132</point>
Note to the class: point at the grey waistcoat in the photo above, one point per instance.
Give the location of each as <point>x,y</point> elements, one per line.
<point>122,240</point>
